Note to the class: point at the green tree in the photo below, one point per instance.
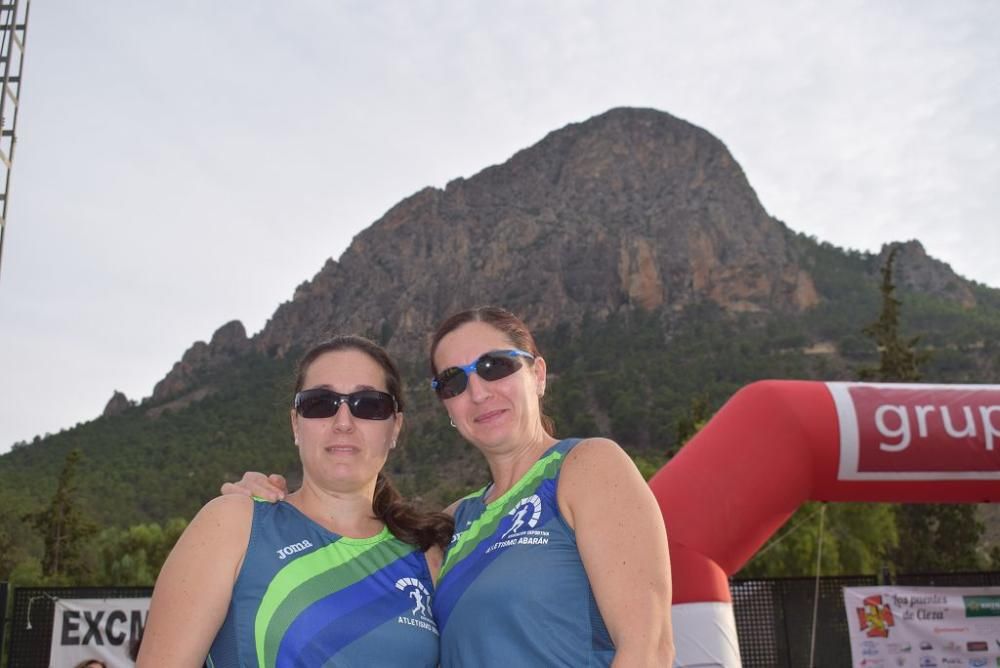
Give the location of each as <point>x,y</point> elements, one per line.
<point>899,360</point>
<point>855,538</point>
<point>134,556</point>
<point>937,537</point>
<point>932,537</point>
<point>689,424</point>
<point>7,561</point>
<point>63,527</point>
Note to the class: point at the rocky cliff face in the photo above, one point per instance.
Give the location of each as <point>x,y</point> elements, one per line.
<point>916,271</point>
<point>229,342</point>
<point>117,404</point>
<point>632,208</point>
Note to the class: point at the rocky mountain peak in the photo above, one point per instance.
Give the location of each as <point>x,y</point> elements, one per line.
<point>915,271</point>
<point>227,343</point>
<point>117,404</point>
<point>630,209</point>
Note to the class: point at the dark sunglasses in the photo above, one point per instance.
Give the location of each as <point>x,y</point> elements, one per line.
<point>366,404</point>
<point>492,366</point>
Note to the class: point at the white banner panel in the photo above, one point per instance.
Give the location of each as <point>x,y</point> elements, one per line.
<point>923,627</point>
<point>96,628</point>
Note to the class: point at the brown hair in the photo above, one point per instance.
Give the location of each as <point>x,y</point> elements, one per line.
<point>405,522</point>
<point>506,322</point>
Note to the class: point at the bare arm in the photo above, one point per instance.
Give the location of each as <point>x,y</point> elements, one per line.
<point>623,545</point>
<point>195,585</point>
<point>452,507</point>
<point>272,487</point>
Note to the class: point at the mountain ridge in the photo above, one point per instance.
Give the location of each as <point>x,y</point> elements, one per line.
<point>561,217</point>
<point>630,208</point>
<point>634,246</point>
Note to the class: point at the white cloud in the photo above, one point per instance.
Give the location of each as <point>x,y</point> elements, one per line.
<point>184,165</point>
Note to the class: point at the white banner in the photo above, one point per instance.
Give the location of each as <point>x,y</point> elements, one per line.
<point>96,628</point>
<point>923,627</point>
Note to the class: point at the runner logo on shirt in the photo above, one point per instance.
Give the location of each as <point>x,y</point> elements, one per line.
<point>522,531</point>
<point>420,615</point>
<point>528,509</point>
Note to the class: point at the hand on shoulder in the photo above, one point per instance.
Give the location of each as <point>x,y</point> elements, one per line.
<point>271,487</point>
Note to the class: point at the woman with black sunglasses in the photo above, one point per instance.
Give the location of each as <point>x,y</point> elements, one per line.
<point>562,559</point>
<point>340,572</point>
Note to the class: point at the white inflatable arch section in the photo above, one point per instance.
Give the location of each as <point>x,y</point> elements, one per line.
<point>778,444</point>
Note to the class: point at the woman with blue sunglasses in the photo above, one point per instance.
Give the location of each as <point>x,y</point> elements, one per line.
<point>339,573</point>
<point>561,560</point>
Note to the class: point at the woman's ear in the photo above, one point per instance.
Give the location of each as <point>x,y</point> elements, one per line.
<point>397,427</point>
<point>295,426</point>
<point>539,369</point>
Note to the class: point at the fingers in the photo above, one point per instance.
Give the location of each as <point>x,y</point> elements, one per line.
<point>279,481</point>
<point>233,488</point>
<point>270,488</point>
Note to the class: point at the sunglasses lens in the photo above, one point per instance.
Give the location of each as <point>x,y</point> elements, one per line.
<point>494,367</point>
<point>451,382</point>
<point>491,366</point>
<point>317,403</point>
<point>366,405</point>
<point>371,405</point>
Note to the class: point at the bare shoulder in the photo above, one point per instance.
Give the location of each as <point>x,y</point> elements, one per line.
<point>452,507</point>
<point>228,507</point>
<point>194,587</point>
<point>224,518</point>
<point>597,471</point>
<point>591,454</point>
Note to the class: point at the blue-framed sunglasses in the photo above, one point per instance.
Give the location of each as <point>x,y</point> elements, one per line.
<point>491,366</point>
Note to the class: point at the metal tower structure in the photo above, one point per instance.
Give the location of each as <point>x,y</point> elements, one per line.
<point>13,27</point>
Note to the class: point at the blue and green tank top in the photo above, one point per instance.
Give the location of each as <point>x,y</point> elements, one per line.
<point>513,590</point>
<point>308,597</point>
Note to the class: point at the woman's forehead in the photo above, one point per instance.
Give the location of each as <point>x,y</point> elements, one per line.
<point>351,367</point>
<point>468,341</point>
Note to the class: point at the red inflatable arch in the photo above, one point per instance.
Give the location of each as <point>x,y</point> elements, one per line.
<point>777,444</point>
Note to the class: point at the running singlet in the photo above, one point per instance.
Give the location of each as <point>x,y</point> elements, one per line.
<point>513,591</point>
<point>308,597</point>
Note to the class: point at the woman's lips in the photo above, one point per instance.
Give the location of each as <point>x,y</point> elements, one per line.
<point>489,416</point>
<point>342,449</point>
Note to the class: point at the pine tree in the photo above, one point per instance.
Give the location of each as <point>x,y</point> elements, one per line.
<point>689,424</point>
<point>899,360</point>
<point>932,537</point>
<point>63,527</point>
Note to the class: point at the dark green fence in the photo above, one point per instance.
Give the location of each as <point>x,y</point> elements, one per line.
<point>774,617</point>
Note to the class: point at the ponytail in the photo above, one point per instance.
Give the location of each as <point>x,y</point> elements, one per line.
<point>406,522</point>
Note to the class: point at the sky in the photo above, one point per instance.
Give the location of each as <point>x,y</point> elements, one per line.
<point>180,165</point>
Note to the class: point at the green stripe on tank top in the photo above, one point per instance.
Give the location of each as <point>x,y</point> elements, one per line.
<point>485,524</point>
<point>333,580</point>
<point>290,591</point>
